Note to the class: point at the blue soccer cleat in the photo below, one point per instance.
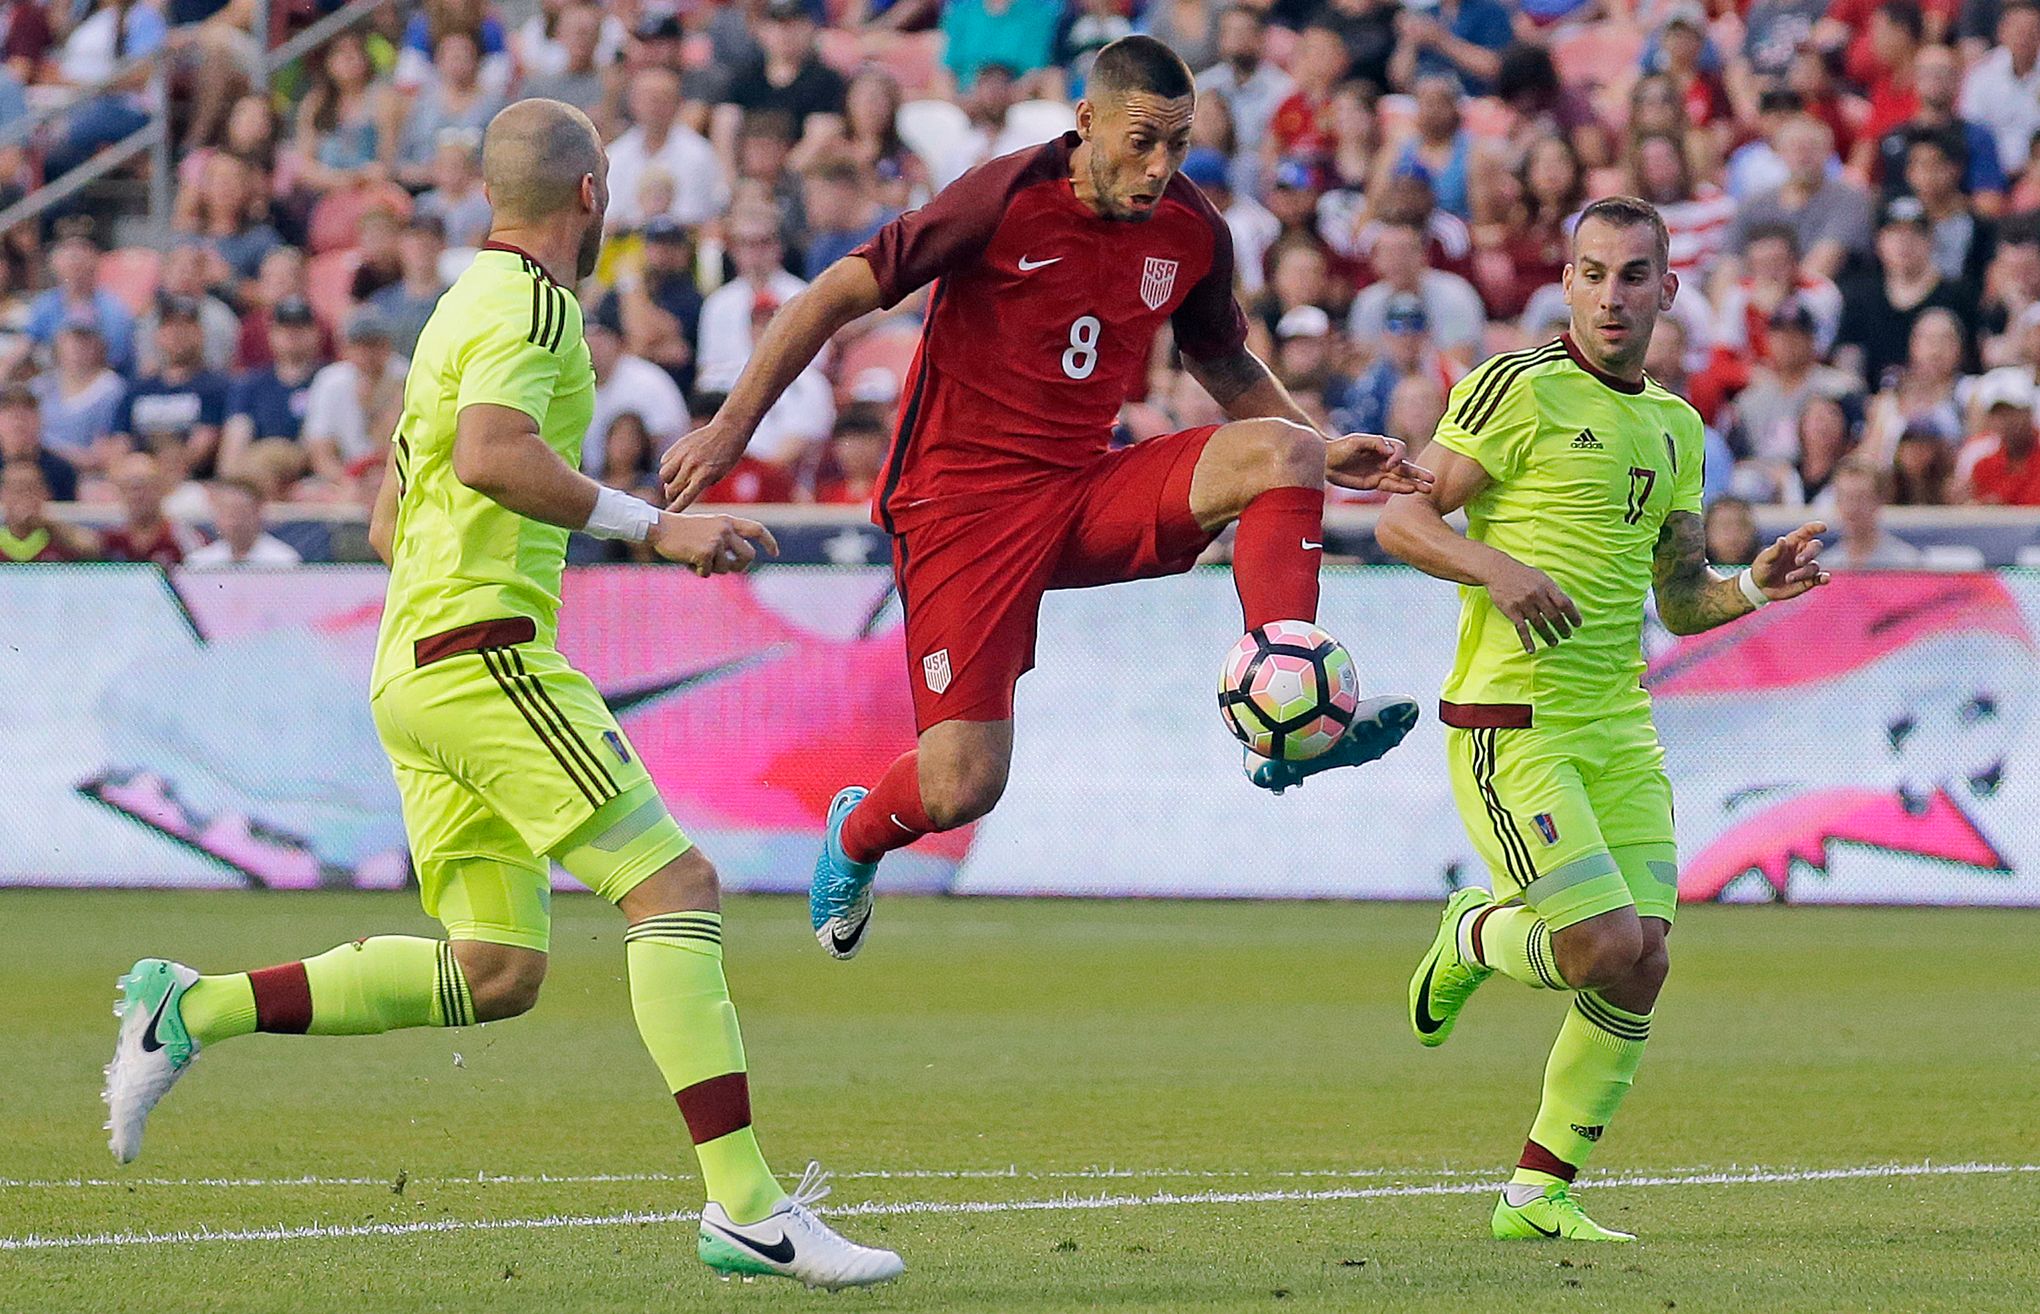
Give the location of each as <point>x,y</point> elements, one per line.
<point>839,899</point>
<point>1379,724</point>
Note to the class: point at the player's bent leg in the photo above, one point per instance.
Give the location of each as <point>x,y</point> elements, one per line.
<point>502,979</point>
<point>1268,475</point>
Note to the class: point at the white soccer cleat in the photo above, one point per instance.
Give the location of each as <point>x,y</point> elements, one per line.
<point>153,1051</point>
<point>791,1242</point>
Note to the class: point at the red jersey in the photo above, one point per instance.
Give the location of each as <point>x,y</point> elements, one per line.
<point>1040,325</point>
<point>1997,480</point>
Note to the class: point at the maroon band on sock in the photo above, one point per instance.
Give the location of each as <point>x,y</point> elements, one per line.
<point>1478,955</point>
<point>1540,1160</point>
<point>716,1107</point>
<point>283,999</point>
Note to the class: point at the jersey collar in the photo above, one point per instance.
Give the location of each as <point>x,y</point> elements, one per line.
<point>529,259</point>
<point>1606,380</point>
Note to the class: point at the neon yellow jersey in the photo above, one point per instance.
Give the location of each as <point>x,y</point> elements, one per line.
<point>506,334</point>
<point>1584,468</point>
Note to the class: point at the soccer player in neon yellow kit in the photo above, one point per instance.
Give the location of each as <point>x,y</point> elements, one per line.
<point>506,757</point>
<point>1581,479</point>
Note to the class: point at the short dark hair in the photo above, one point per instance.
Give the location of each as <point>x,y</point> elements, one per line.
<point>1139,63</point>
<point>1774,230</point>
<point>1629,212</point>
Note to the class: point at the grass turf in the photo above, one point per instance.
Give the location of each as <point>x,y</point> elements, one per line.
<point>1193,1048</point>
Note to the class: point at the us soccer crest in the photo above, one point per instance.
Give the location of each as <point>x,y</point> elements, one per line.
<point>935,669</point>
<point>1157,281</point>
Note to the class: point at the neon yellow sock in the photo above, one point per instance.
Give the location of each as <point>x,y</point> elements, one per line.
<point>365,987</point>
<point>1514,941</point>
<point>1591,1068</point>
<point>683,1010</point>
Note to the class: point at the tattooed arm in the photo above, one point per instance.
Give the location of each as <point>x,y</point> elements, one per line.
<point>1692,598</point>
<point>1244,387</point>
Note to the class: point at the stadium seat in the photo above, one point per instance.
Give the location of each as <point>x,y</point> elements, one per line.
<point>1032,122</point>
<point>336,219</point>
<point>329,286</point>
<point>1596,53</point>
<point>130,273</point>
<point>934,130</point>
<point>889,349</point>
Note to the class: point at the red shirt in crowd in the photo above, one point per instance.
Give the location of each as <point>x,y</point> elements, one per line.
<point>1997,480</point>
<point>752,480</point>
<point>165,547</point>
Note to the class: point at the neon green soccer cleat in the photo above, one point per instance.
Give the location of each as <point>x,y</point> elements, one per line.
<point>1445,980</point>
<point>1553,1216</point>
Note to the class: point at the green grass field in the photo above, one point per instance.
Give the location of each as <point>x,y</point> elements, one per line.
<point>1007,1063</point>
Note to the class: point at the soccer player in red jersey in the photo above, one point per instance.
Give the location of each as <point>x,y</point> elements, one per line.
<point>1053,268</point>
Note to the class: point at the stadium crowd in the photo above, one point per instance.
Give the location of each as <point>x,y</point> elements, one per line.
<point>1851,188</point>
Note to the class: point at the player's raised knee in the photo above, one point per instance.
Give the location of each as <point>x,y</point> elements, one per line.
<point>503,980</point>
<point>961,796</point>
<point>1601,952</point>
<point>1276,453</point>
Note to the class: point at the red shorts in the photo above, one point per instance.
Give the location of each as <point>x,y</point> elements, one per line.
<point>972,582</point>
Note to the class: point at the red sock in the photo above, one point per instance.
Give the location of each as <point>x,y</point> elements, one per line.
<point>891,816</point>
<point>1276,554</point>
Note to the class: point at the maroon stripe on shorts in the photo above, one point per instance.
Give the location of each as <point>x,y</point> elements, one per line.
<point>1485,716</point>
<point>1540,1160</point>
<point>473,638</point>
<point>716,1107</point>
<point>283,999</point>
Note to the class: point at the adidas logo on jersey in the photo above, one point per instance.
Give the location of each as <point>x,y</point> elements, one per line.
<point>1589,1133</point>
<point>1586,442</point>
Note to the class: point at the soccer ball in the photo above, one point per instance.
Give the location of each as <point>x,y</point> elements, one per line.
<point>1288,690</point>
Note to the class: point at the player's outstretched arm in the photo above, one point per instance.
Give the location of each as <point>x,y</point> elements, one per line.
<point>1244,387</point>
<point>847,290</point>
<point>1413,528</point>
<point>1691,598</point>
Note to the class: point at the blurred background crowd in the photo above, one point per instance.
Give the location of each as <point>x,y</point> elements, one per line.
<point>1851,187</point>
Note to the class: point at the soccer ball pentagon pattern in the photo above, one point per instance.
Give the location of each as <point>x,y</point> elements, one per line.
<point>1288,690</point>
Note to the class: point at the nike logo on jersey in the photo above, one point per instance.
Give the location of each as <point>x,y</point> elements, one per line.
<point>1309,546</point>
<point>149,1041</point>
<point>779,1252</point>
<point>1028,266</point>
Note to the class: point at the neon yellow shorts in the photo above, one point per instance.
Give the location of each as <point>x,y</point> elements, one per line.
<point>1574,820</point>
<point>506,757</point>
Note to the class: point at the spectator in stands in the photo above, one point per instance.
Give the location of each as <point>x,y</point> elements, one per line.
<point>1406,199</point>
<point>658,305</point>
<point>377,261</point>
<point>1298,275</point>
<point>1188,27</point>
<point>630,456</point>
<point>27,533</point>
<point>2011,285</point>
<point>1813,77</point>
<point>79,395</point>
<point>1528,83</point>
<point>1879,310</point>
<point>564,61</point>
<point>1416,409</point>
<point>750,480</point>
<point>791,78</point>
<point>1665,362</point>
<point>1861,491</point>
<point>1963,241</point>
<point>1926,393</point>
<point>1303,350</point>
<point>183,275</point>
<point>1303,127</point>
<point>730,319</point>
<point>841,212</point>
<point>281,279</point>
<point>228,210</point>
<point>1697,214</point>
<point>658,139</point>
<point>1090,26</point>
<point>2002,90</point>
<point>145,533</point>
<point>1937,79</point>
<point>456,97</point>
<point>1451,307</point>
<point>21,440</point>
<point>262,441</point>
<point>1016,34</point>
<point>1998,464</point>
<point>1440,144</point>
<point>27,40</point>
<point>1731,532</point>
<point>406,304</point>
<point>765,168</point>
<point>340,137</point>
<point>354,404</point>
<point>1293,198</point>
<point>1531,245</point>
<point>1405,352</point>
<point>74,261</point>
<point>1896,31</point>
<point>1825,440</point>
<point>1253,228</point>
<point>871,137</point>
<point>1831,216</point>
<point>113,32</point>
<point>1682,55</point>
<point>237,518</point>
<point>1781,384</point>
<point>1463,39</point>
<point>1250,85</point>
<point>1755,166</point>
<point>1772,279</point>
<point>176,410</point>
<point>456,199</point>
<point>1922,470</point>
<point>856,454</point>
<point>627,383</point>
<point>432,20</point>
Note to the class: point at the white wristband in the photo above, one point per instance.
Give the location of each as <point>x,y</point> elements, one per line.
<point>1750,589</point>
<point>619,515</point>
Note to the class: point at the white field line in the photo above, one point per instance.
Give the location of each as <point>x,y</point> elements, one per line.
<point>1011,1173</point>
<point>945,1207</point>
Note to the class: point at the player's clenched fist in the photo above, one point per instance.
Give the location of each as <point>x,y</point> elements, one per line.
<point>711,545</point>
<point>692,466</point>
<point>1791,566</point>
<point>1536,606</point>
